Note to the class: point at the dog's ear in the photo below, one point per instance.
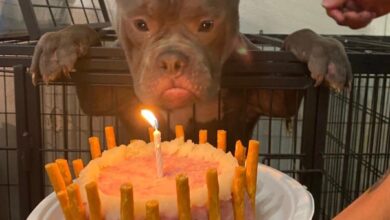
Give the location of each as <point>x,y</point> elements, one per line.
<point>234,13</point>
<point>231,31</point>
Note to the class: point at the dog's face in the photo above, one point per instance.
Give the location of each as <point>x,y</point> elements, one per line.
<point>176,48</point>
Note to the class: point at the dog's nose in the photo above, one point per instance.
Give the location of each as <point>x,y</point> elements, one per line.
<point>172,62</point>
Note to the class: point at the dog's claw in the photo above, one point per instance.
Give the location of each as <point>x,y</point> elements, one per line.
<point>34,79</point>
<point>318,80</point>
<point>336,89</point>
<point>66,72</point>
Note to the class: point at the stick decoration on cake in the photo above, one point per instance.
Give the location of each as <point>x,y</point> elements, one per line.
<point>251,170</point>
<point>78,165</point>
<point>127,202</point>
<point>238,193</point>
<point>94,147</point>
<point>239,153</point>
<point>110,137</point>
<point>65,171</point>
<point>152,210</point>
<point>213,194</point>
<point>64,203</point>
<point>202,136</point>
<point>76,205</point>
<point>179,130</point>
<point>151,130</point>
<point>149,116</point>
<point>183,197</point>
<point>221,140</point>
<point>55,177</point>
<point>95,207</point>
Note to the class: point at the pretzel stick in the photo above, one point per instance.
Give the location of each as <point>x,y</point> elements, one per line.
<point>183,197</point>
<point>238,193</point>
<point>239,153</point>
<point>152,210</point>
<point>110,137</point>
<point>94,147</point>
<point>78,166</point>
<point>127,202</point>
<point>65,171</point>
<point>55,177</point>
<point>221,140</point>
<point>151,136</point>
<point>63,198</point>
<point>95,207</point>
<point>202,136</point>
<point>75,202</point>
<point>213,194</point>
<point>179,131</point>
<point>251,170</point>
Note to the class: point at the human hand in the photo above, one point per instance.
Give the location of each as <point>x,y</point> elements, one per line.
<point>350,13</point>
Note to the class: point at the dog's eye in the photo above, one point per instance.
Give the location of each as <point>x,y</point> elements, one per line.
<point>141,25</point>
<point>206,26</point>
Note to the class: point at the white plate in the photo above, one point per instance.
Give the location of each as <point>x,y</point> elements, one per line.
<point>279,197</point>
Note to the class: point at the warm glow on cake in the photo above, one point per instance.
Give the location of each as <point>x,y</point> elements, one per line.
<point>135,163</point>
<point>146,184</point>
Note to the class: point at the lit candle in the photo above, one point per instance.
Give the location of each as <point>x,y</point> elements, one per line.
<point>149,116</point>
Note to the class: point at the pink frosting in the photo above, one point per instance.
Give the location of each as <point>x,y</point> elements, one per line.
<point>141,172</point>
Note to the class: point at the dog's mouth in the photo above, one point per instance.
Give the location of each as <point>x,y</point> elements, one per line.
<point>176,97</point>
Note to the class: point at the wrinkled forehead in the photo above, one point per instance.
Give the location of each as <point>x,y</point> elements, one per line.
<point>174,8</point>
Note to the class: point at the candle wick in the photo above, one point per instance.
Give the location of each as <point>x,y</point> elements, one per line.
<point>155,125</point>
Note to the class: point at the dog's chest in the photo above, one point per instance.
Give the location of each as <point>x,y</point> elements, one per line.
<point>200,113</point>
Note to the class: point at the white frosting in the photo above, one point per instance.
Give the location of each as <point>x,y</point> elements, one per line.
<point>167,204</point>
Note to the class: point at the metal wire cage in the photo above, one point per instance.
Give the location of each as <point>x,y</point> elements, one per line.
<point>336,144</point>
<point>356,153</point>
<point>41,16</point>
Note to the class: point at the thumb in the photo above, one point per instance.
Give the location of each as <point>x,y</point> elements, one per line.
<point>330,4</point>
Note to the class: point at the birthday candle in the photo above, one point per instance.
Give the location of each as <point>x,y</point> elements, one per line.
<point>149,116</point>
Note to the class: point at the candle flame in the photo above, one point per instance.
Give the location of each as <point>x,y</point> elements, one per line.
<point>149,116</point>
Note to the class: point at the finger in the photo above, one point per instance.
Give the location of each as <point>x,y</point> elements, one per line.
<point>337,15</point>
<point>357,20</point>
<point>352,6</point>
<point>332,4</point>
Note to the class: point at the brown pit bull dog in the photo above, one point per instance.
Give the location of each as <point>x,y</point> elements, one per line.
<point>176,50</point>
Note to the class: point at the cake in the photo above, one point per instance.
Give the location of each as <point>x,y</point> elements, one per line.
<point>135,164</point>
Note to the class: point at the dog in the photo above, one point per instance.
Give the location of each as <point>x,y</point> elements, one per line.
<point>175,50</point>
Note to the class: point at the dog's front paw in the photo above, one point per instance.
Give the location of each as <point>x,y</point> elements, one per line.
<point>56,52</point>
<point>329,63</point>
<point>53,57</point>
